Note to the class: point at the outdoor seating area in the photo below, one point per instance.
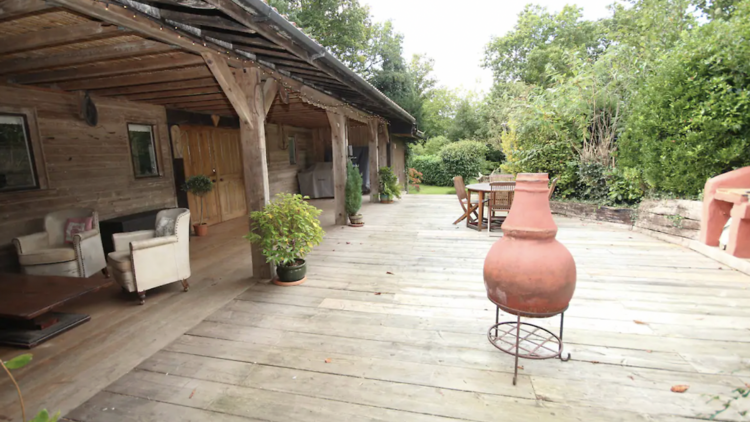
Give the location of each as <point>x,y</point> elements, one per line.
<point>392,325</point>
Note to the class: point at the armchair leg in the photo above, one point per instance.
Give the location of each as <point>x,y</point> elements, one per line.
<point>185,284</point>
<point>142,297</point>
<point>105,271</point>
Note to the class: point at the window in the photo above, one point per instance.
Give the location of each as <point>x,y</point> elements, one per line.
<point>143,150</point>
<point>17,170</point>
<point>292,147</point>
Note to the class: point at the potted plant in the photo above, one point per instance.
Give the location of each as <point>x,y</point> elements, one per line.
<point>200,186</point>
<point>353,197</point>
<point>286,230</point>
<point>388,183</point>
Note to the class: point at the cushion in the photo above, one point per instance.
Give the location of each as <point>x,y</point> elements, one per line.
<point>120,261</point>
<point>48,256</point>
<point>164,227</point>
<point>74,226</point>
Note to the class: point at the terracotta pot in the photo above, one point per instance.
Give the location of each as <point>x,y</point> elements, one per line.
<point>528,272</point>
<point>385,199</point>
<point>200,229</point>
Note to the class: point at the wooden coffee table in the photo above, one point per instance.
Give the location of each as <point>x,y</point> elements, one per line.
<point>27,301</point>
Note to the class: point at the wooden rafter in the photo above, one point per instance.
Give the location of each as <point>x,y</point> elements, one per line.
<point>155,88</point>
<point>59,35</point>
<point>138,79</point>
<point>203,20</point>
<point>14,9</point>
<point>175,93</point>
<point>85,56</point>
<point>220,69</point>
<point>192,99</point>
<point>104,69</point>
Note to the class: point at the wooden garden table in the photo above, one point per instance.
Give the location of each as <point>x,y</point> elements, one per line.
<point>480,189</point>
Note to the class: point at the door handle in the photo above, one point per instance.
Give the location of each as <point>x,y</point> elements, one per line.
<point>213,181</point>
<point>221,180</point>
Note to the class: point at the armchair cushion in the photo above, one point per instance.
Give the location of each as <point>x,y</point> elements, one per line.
<point>48,256</point>
<point>32,242</point>
<point>77,225</point>
<point>164,227</point>
<point>120,260</point>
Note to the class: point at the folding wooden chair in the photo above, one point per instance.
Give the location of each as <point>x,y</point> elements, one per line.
<point>552,187</point>
<point>501,199</point>
<point>470,207</point>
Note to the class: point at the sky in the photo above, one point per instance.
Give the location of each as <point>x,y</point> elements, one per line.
<point>455,32</point>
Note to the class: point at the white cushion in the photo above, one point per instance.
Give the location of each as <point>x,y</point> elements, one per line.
<point>164,227</point>
<point>48,256</point>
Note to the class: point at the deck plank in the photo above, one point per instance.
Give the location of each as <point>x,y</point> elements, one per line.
<point>392,323</point>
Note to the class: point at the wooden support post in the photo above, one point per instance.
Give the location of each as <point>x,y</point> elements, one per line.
<point>339,141</point>
<point>270,88</point>
<point>245,92</point>
<point>372,125</point>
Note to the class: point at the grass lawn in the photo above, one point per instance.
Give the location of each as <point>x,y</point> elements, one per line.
<point>436,190</point>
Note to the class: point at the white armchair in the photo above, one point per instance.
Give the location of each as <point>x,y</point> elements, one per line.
<point>146,259</point>
<point>46,253</point>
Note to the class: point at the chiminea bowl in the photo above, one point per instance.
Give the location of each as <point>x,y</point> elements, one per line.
<point>528,272</point>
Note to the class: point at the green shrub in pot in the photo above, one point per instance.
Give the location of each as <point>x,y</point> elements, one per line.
<point>353,196</point>
<point>200,186</point>
<point>388,184</point>
<point>286,230</point>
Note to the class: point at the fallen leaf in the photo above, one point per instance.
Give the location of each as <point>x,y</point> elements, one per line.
<point>595,362</point>
<point>649,351</point>
<point>388,272</point>
<point>328,360</point>
<point>640,322</point>
<point>631,377</point>
<point>680,388</point>
<point>378,293</point>
<point>191,394</point>
<point>348,243</point>
<point>520,367</point>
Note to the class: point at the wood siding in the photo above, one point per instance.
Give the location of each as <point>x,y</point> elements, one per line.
<point>282,176</point>
<point>86,166</point>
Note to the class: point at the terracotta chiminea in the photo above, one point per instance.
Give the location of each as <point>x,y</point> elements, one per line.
<point>529,273</point>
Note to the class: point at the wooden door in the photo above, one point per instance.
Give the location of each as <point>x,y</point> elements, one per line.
<point>197,151</point>
<point>231,186</point>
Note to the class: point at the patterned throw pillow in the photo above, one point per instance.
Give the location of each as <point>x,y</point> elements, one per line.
<point>164,227</point>
<point>73,226</point>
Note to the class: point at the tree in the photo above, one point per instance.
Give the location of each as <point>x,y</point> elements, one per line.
<point>342,26</point>
<point>438,111</point>
<point>538,43</point>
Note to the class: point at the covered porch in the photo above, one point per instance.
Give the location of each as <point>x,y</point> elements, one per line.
<point>392,325</point>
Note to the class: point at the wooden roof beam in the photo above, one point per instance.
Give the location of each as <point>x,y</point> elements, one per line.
<point>195,19</point>
<point>110,69</point>
<point>175,93</point>
<point>14,9</point>
<point>156,88</point>
<point>137,79</point>
<point>59,35</point>
<point>86,56</point>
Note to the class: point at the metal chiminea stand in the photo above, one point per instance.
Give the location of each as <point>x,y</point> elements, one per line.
<point>524,340</point>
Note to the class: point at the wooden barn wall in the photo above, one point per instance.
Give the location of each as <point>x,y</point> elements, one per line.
<point>282,176</point>
<point>398,159</point>
<point>87,167</point>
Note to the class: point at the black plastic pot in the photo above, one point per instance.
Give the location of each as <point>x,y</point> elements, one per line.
<point>292,274</point>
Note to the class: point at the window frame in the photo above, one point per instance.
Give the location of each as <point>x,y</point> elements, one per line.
<point>154,142</point>
<point>33,143</point>
<point>292,146</point>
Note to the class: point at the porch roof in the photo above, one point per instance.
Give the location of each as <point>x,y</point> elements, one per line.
<point>149,51</point>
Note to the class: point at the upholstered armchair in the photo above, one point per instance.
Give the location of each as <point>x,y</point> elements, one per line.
<point>48,253</point>
<point>146,259</point>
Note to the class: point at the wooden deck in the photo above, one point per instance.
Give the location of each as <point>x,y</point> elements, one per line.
<point>392,324</point>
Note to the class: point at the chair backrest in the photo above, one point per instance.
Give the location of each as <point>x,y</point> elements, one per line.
<point>502,177</point>
<point>54,222</point>
<point>181,218</point>
<point>458,183</point>
<point>552,187</point>
<point>501,196</point>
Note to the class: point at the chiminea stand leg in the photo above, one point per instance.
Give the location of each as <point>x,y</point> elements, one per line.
<point>562,320</point>
<point>497,318</point>
<point>518,340</point>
